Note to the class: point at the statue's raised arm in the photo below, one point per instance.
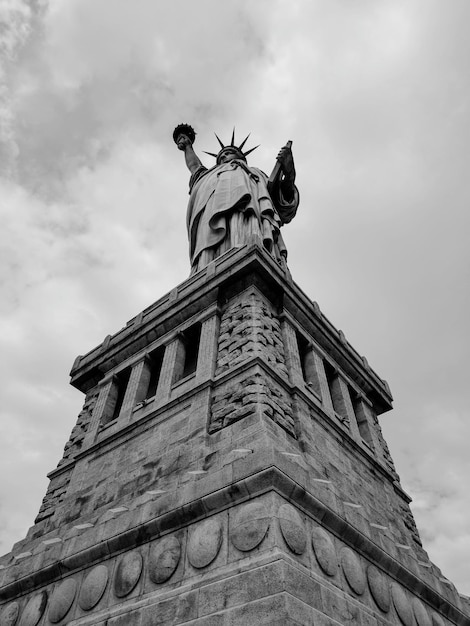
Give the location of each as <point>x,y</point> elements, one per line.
<point>184,137</point>
<point>232,203</point>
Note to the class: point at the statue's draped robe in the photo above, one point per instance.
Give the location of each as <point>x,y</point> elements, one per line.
<point>228,204</point>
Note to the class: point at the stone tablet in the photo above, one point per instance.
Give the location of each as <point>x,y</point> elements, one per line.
<point>292,528</point>
<point>127,574</point>
<point>249,526</point>
<point>421,615</point>
<point>93,587</point>
<point>353,571</point>
<point>34,610</point>
<point>324,551</point>
<point>164,558</point>
<point>62,599</point>
<point>402,605</point>
<point>379,587</point>
<point>204,543</point>
<point>9,615</point>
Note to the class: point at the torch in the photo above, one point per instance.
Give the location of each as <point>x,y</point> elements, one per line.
<point>184,129</point>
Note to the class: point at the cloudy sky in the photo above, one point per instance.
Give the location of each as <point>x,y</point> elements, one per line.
<point>375,96</point>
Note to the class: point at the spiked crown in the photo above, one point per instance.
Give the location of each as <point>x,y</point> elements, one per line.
<point>232,146</point>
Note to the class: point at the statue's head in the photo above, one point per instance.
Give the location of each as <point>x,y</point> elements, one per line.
<point>231,151</point>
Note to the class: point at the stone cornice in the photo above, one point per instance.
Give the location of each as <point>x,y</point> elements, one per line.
<point>232,272</point>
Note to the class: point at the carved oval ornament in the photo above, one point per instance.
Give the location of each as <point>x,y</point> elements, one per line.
<point>324,551</point>
<point>353,571</point>
<point>93,587</point>
<point>62,599</point>
<point>421,615</point>
<point>379,587</point>
<point>127,574</point>
<point>34,610</point>
<point>292,528</point>
<point>204,543</point>
<point>164,558</point>
<point>402,605</point>
<point>9,615</point>
<point>249,527</point>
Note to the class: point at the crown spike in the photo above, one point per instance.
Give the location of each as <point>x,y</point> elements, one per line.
<point>251,150</point>
<point>221,144</point>
<point>240,147</point>
<point>232,143</point>
<point>210,153</point>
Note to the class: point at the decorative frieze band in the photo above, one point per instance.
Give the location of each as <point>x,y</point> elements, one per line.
<point>202,550</point>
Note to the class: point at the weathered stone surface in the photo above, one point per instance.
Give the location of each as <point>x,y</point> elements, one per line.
<point>402,605</point>
<point>342,611</point>
<point>9,614</point>
<point>421,615</point>
<point>127,574</point>
<point>379,587</point>
<point>249,327</point>
<point>134,618</point>
<point>93,587</point>
<point>279,609</point>
<point>79,431</point>
<point>58,486</point>
<point>62,599</point>
<point>249,526</point>
<point>164,558</point>
<point>324,551</point>
<point>172,611</point>
<point>248,395</point>
<point>55,494</point>
<point>292,528</point>
<point>241,588</point>
<point>233,401</point>
<point>204,543</point>
<point>302,586</point>
<point>437,620</point>
<point>33,611</point>
<point>353,571</point>
<point>276,404</point>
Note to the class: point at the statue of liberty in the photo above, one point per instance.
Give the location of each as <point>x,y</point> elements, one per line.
<point>232,201</point>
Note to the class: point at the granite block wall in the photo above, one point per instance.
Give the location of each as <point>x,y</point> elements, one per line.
<point>263,561</point>
<point>236,495</point>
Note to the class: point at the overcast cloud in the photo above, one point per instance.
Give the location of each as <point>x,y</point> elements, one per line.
<point>93,192</point>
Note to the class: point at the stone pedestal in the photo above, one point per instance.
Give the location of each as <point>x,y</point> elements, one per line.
<point>227,467</point>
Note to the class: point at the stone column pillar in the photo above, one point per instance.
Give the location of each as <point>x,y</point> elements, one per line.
<point>291,350</point>
<point>103,410</point>
<point>136,389</point>
<point>364,422</point>
<point>207,354</point>
<point>343,405</point>
<point>168,367</point>
<point>312,378</point>
<point>323,383</point>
